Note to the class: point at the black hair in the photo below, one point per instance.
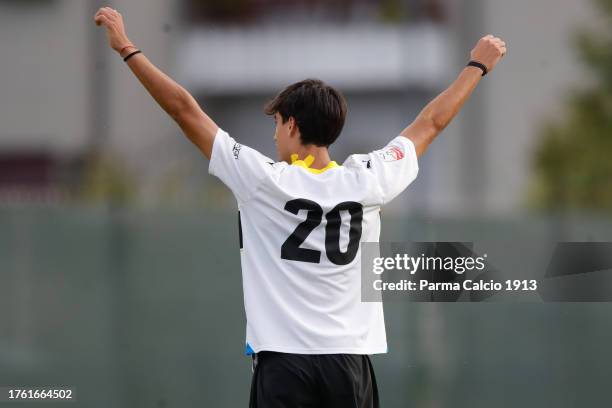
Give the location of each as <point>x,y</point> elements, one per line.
<point>319,110</point>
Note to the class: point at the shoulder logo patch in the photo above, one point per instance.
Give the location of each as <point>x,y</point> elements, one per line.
<point>393,153</point>
<point>236,150</point>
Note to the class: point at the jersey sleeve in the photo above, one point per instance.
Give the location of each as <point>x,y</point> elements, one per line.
<point>395,166</point>
<point>239,167</point>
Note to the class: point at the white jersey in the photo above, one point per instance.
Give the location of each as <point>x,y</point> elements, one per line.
<point>301,233</point>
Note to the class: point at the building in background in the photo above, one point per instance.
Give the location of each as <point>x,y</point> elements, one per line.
<point>66,94</point>
<point>135,307</point>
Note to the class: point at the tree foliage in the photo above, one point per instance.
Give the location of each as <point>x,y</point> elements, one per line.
<point>573,162</point>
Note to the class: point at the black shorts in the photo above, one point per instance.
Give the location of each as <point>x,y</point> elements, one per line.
<point>313,380</point>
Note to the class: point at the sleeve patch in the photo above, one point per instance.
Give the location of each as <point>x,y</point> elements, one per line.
<point>236,150</point>
<point>392,153</point>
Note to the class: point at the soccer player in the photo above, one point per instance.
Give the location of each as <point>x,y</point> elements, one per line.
<point>302,220</point>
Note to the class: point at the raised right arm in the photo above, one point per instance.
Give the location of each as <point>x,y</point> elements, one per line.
<point>172,97</point>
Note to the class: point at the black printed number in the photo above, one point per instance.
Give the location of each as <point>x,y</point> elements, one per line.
<point>332,233</point>
<point>291,250</point>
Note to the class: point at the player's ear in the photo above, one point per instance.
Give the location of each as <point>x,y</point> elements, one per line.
<point>292,127</point>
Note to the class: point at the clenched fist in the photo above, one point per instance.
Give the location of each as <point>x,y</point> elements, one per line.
<point>489,51</point>
<point>115,30</point>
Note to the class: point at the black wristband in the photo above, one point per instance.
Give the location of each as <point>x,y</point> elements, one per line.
<point>131,55</point>
<point>477,64</point>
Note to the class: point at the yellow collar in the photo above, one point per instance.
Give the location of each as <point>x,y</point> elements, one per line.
<point>307,162</point>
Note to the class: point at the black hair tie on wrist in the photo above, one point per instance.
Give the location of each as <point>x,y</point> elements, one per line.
<point>131,55</point>
<point>477,64</point>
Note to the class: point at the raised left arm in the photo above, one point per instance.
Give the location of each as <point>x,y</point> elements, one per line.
<point>440,112</point>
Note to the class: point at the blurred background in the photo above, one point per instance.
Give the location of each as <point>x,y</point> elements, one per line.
<point>119,261</point>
